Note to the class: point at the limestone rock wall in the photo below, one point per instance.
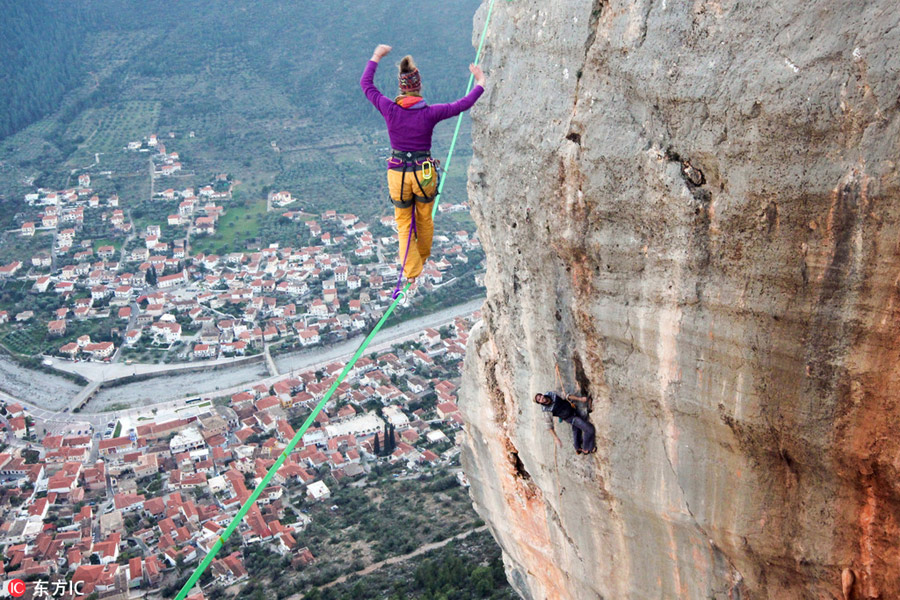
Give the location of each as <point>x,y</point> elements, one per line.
<point>693,208</point>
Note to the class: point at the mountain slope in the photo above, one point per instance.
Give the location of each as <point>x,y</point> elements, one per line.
<point>39,59</point>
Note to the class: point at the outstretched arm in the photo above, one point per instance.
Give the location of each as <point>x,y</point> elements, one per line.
<point>367,82</point>
<point>552,430</point>
<point>446,111</point>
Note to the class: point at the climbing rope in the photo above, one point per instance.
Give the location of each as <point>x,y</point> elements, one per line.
<point>559,379</point>
<point>412,229</point>
<point>245,508</point>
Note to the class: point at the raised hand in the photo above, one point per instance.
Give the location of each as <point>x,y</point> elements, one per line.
<point>478,73</point>
<point>380,51</point>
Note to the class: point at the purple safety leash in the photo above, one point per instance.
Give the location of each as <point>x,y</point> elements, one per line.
<point>412,228</point>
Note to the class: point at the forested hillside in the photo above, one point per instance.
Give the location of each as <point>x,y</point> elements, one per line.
<point>39,59</point>
<point>309,53</point>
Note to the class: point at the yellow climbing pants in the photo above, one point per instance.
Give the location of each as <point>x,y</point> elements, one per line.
<point>412,193</point>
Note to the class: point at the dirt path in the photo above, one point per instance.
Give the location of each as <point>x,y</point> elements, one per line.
<point>396,559</point>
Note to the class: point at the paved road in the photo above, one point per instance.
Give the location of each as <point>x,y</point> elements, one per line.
<point>318,358</point>
<point>57,421</point>
<point>270,364</point>
<point>102,371</point>
<point>54,421</point>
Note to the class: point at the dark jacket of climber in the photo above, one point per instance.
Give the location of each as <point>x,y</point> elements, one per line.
<point>412,178</point>
<point>554,405</point>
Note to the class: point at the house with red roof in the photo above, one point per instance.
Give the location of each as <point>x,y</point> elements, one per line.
<point>264,404</point>
<point>445,409</point>
<point>128,502</point>
<point>135,572</point>
<point>230,569</point>
<point>95,578</point>
<point>18,426</point>
<point>119,445</point>
<point>430,457</point>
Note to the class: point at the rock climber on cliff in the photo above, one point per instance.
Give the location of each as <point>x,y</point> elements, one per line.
<point>554,405</point>
<point>412,175</point>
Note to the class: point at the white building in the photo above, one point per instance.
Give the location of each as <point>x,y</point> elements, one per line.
<point>282,198</point>
<point>317,490</point>
<point>170,332</point>
<point>362,425</point>
<point>436,435</point>
<point>186,439</point>
<point>216,484</point>
<point>395,416</point>
<point>308,337</point>
<point>314,437</point>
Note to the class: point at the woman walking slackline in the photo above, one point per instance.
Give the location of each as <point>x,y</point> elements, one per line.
<point>412,178</point>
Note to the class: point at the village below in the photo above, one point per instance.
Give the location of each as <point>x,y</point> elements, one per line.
<point>120,494</point>
<point>106,284</point>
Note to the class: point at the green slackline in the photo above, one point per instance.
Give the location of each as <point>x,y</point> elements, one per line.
<point>437,198</point>
<point>245,508</point>
<point>281,458</point>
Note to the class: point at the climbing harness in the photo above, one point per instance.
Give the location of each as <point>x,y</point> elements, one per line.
<point>401,203</point>
<point>411,156</point>
<point>421,161</point>
<point>398,297</point>
<point>429,168</point>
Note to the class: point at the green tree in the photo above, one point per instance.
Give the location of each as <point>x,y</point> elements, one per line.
<point>482,580</point>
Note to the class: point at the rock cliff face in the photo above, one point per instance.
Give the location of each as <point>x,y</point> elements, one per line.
<point>693,208</point>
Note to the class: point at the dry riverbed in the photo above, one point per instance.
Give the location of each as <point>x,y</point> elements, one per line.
<point>175,387</point>
<point>45,390</point>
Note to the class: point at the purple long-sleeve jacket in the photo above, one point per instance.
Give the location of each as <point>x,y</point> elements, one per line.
<point>410,129</point>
